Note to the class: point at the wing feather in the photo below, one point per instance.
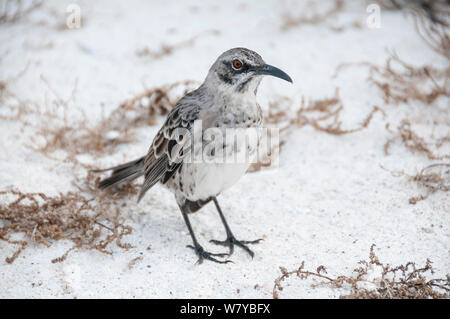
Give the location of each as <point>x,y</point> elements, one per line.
<point>165,154</point>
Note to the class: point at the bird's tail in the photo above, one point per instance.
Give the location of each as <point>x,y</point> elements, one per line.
<point>122,173</point>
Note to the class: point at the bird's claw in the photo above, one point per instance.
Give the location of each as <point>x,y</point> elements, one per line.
<point>202,254</point>
<point>231,241</point>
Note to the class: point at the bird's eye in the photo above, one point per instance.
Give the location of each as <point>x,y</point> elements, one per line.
<point>237,64</point>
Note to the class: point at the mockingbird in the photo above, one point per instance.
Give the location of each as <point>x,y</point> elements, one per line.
<point>226,100</point>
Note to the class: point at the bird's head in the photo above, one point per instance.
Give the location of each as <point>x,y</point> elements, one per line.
<point>240,70</point>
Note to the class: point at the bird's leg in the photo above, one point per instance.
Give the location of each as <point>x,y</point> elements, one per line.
<point>201,253</point>
<point>231,240</point>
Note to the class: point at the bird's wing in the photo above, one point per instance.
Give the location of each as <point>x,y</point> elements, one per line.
<point>165,154</point>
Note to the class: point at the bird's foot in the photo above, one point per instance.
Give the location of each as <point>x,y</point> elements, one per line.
<point>202,254</point>
<point>231,241</point>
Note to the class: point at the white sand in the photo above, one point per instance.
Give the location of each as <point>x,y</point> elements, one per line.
<point>327,202</point>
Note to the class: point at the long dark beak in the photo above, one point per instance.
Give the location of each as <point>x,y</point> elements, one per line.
<point>268,69</point>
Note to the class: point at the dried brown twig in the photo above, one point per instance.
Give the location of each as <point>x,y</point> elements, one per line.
<point>412,141</point>
<point>436,35</point>
<point>405,281</point>
<point>430,178</point>
<point>437,11</point>
<point>431,21</point>
<point>434,177</point>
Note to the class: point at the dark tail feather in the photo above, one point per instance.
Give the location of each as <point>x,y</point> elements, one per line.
<point>122,173</point>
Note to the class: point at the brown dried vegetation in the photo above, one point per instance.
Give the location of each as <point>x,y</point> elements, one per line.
<point>407,83</point>
<point>401,82</point>
<point>415,143</point>
<point>88,218</point>
<point>436,35</point>
<point>322,114</point>
<point>81,136</point>
<point>402,282</point>
<point>434,177</point>
<point>290,21</point>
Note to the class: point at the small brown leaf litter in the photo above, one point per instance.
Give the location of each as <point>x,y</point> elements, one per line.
<point>401,282</point>
<point>12,11</point>
<point>87,218</point>
<point>401,82</point>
